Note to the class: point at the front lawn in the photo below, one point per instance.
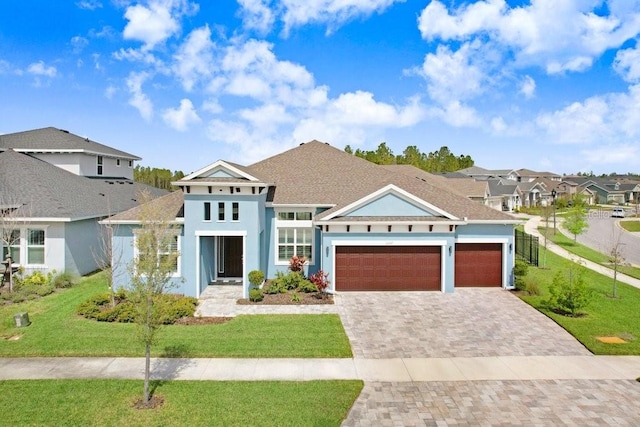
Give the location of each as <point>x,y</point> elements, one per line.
<point>585,252</point>
<point>632,226</point>
<point>605,316</point>
<point>192,403</point>
<point>57,331</point>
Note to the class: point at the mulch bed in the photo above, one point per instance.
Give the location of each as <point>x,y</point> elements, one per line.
<point>154,402</point>
<point>287,299</point>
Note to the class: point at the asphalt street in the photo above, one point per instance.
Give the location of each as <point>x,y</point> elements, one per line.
<point>604,231</point>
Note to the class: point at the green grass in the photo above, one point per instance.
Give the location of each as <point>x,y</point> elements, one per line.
<point>57,331</point>
<point>585,252</point>
<point>605,316</point>
<point>192,403</point>
<point>633,226</point>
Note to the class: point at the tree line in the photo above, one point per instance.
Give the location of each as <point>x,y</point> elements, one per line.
<point>442,160</point>
<point>155,177</point>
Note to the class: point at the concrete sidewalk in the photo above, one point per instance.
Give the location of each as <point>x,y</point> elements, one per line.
<point>394,370</point>
<point>531,227</point>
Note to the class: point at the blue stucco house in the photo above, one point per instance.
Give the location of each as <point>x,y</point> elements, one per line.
<point>370,227</point>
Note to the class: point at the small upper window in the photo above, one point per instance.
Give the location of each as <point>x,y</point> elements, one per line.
<point>118,162</point>
<point>207,211</point>
<point>99,165</point>
<point>130,163</point>
<point>221,211</point>
<point>294,216</point>
<point>235,211</point>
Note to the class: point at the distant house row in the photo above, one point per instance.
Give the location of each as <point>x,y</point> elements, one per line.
<point>512,189</point>
<point>54,188</point>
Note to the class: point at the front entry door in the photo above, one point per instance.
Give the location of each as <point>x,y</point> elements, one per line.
<point>230,256</point>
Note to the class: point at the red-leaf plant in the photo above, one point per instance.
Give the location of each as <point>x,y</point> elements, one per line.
<point>296,263</point>
<point>320,279</point>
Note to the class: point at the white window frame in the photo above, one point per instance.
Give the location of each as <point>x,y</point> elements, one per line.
<point>237,213</point>
<point>100,165</point>
<point>294,224</point>
<point>204,212</point>
<point>224,212</point>
<point>130,163</point>
<point>118,162</point>
<point>23,247</point>
<point>178,272</point>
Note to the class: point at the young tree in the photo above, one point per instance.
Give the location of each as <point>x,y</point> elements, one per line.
<point>576,221</point>
<point>14,216</point>
<point>569,292</point>
<point>616,257</point>
<point>106,256</point>
<point>546,211</point>
<point>151,273</point>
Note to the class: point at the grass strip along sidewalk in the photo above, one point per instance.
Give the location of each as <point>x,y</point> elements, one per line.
<point>57,331</point>
<point>604,316</point>
<point>193,403</point>
<point>585,252</point>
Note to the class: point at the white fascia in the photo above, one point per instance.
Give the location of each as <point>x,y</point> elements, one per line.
<point>390,189</point>
<point>134,221</point>
<point>220,164</point>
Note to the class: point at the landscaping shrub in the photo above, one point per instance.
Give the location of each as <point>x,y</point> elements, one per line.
<point>520,270</point>
<point>168,307</point>
<point>36,283</point>
<point>531,287</point>
<point>307,286</point>
<point>276,286</point>
<point>256,295</point>
<point>320,279</point>
<point>296,263</point>
<point>63,280</point>
<point>569,292</point>
<point>256,277</point>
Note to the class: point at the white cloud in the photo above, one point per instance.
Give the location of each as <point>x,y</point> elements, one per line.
<point>78,44</point>
<point>612,154</point>
<point>627,64</point>
<point>452,76</point>
<point>457,114</point>
<point>256,15</point>
<point>155,23</point>
<point>182,117</point>
<point>139,99</point>
<point>89,4</point>
<point>556,35</point>
<point>212,106</point>
<point>110,91</point>
<point>528,87</point>
<point>194,58</point>
<point>498,125</point>
<point>332,13</point>
<point>40,69</point>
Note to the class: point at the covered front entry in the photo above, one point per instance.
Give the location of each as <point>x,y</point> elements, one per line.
<point>478,264</point>
<point>388,268</point>
<point>229,256</point>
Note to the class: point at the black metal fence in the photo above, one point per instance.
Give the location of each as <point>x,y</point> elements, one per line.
<point>527,247</point>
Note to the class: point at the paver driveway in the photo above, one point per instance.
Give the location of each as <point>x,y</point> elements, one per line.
<point>471,322</point>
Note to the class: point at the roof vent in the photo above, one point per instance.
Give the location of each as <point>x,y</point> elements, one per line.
<point>64,130</point>
<point>87,139</point>
<point>302,143</point>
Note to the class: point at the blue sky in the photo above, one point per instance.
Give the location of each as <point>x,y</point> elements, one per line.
<point>541,84</point>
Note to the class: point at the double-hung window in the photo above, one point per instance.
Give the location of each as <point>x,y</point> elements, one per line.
<point>25,246</point>
<point>100,162</point>
<point>294,231</point>
<point>168,250</point>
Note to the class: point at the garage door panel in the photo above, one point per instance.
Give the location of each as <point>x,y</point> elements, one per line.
<point>387,268</point>
<point>478,264</point>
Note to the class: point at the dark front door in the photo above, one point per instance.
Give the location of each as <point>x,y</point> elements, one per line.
<point>230,256</point>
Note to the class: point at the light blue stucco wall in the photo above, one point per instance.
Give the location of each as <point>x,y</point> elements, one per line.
<point>199,235</point>
<point>83,245</point>
<point>123,257</point>
<point>388,204</point>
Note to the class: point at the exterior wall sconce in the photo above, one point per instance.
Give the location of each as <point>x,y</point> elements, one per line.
<point>450,250</point>
<point>510,247</point>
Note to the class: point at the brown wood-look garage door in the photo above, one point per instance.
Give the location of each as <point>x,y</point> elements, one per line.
<point>478,264</point>
<point>387,268</point>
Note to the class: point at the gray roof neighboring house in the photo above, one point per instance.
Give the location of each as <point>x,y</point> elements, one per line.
<point>498,188</point>
<point>53,140</point>
<point>48,192</point>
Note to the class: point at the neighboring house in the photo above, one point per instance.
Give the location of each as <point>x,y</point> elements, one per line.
<point>507,192</point>
<point>370,227</point>
<point>53,213</point>
<point>527,175</point>
<point>73,153</point>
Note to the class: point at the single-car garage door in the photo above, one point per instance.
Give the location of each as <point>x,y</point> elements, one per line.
<point>478,264</point>
<point>387,268</point>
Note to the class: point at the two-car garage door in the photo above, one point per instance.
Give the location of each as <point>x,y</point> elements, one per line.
<point>388,268</point>
<point>415,268</point>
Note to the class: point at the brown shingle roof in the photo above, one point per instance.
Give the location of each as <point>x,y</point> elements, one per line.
<point>172,202</point>
<point>317,174</point>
